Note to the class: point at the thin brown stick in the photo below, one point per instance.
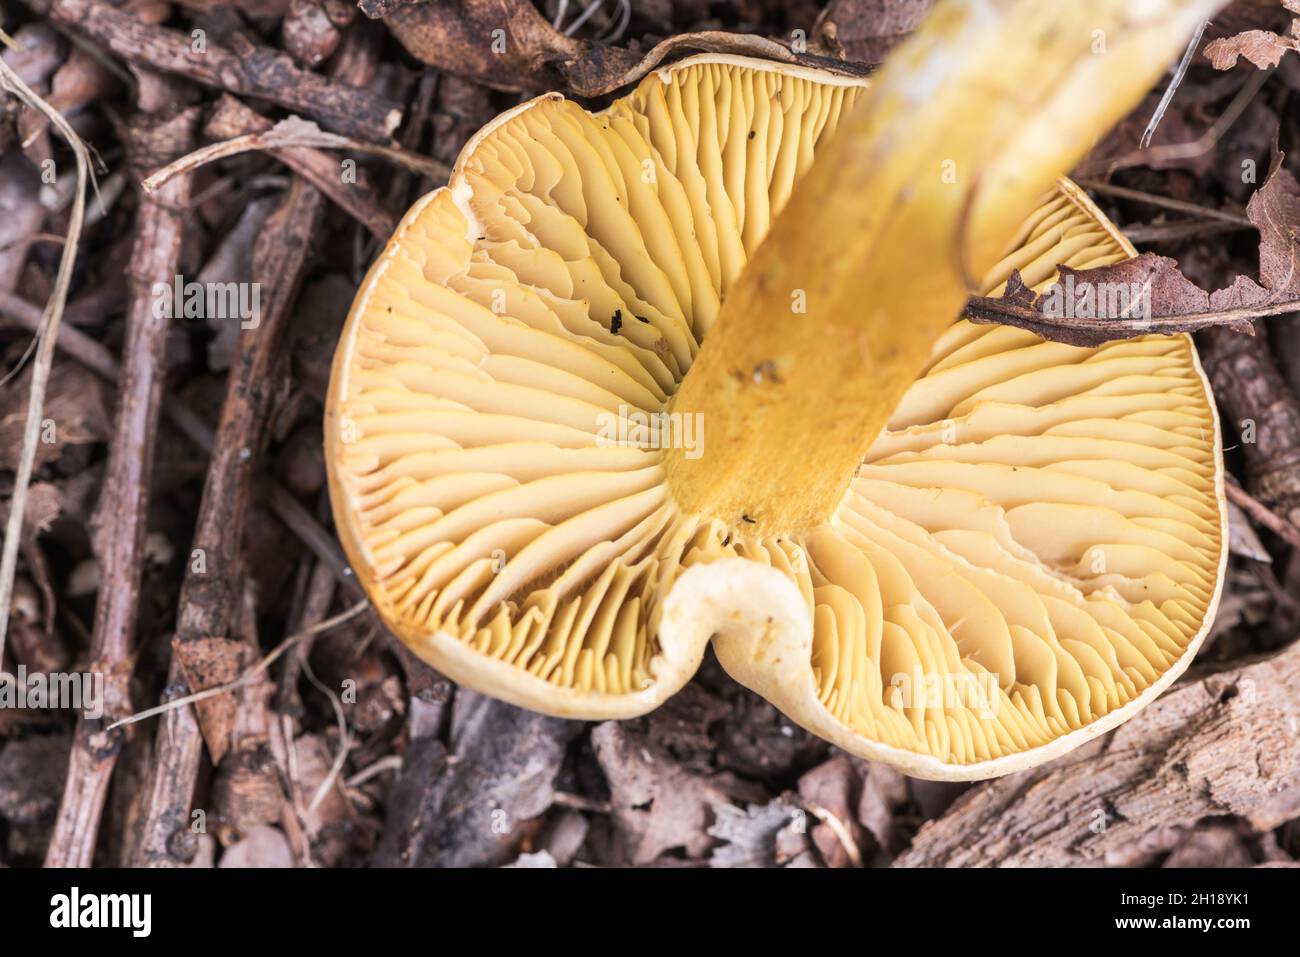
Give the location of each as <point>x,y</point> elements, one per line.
<point>124,501</point>
<point>1166,202</point>
<point>246,69</point>
<point>210,591</point>
<point>232,119</point>
<point>1178,231</point>
<point>47,339</point>
<point>304,525</point>
<point>316,602</point>
<point>89,352</point>
<point>1173,152</point>
<point>1263,514</point>
<point>284,136</point>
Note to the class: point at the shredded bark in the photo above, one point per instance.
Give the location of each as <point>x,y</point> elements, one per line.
<point>1215,746</point>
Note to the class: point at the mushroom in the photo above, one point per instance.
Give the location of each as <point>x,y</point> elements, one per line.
<point>654,377</point>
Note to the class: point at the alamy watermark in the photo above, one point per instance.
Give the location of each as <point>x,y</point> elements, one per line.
<point>949,690</point>
<point>82,691</point>
<point>633,428</point>
<point>133,912</point>
<point>208,300</point>
<point>1072,299</point>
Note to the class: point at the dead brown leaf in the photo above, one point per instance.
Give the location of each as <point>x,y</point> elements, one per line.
<point>470,805</point>
<point>1258,30</point>
<point>44,506</point>
<point>524,53</point>
<point>1275,210</point>
<point>657,805</point>
<point>206,663</point>
<point>75,413</point>
<point>1261,47</point>
<point>749,835</point>
<point>1081,309</point>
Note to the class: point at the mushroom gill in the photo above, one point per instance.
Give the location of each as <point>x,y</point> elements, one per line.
<point>1030,549</point>
<point>502,387</point>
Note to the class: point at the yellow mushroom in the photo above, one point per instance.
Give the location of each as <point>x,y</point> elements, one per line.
<point>690,369</point>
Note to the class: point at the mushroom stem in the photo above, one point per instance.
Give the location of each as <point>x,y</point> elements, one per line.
<point>916,197</point>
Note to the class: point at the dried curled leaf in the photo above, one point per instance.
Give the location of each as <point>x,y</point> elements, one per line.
<point>1265,45</point>
<point>1089,307</point>
<point>1148,294</point>
<point>524,53</point>
<point>1261,47</point>
<point>657,804</point>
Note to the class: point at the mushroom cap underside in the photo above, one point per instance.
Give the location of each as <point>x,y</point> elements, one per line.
<point>1030,551</point>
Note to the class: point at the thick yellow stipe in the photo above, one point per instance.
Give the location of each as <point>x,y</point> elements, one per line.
<point>916,195</point>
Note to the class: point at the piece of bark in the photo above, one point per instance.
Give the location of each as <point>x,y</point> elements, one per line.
<point>1225,744</point>
<point>1260,406</point>
<point>120,521</point>
<point>245,69</point>
<point>246,793</point>
<point>467,807</point>
<point>1263,410</point>
<point>835,788</point>
<point>207,663</point>
<point>311,29</point>
<point>865,31</point>
<point>1212,844</point>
